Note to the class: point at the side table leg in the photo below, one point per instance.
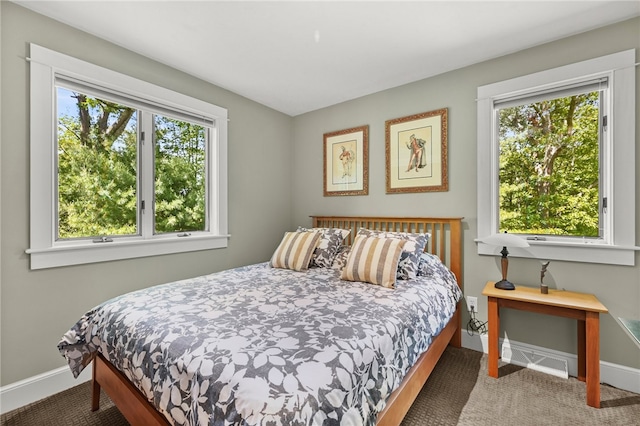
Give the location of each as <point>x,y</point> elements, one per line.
<point>593,359</point>
<point>582,350</point>
<point>494,331</point>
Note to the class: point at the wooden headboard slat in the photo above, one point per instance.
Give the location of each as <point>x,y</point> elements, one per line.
<point>445,241</point>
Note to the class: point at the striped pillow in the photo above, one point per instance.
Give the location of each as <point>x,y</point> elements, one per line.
<point>410,257</point>
<point>373,260</point>
<point>295,250</point>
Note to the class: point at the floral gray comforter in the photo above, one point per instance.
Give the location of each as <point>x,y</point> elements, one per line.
<point>258,345</point>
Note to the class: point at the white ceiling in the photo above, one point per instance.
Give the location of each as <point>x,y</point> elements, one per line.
<point>299,56</point>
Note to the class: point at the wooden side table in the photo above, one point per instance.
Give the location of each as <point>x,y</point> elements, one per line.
<point>585,308</point>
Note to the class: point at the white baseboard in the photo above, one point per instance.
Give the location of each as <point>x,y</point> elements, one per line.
<point>32,389</point>
<point>619,376</point>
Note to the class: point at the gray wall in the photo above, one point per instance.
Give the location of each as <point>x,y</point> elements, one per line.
<point>617,287</point>
<point>37,307</point>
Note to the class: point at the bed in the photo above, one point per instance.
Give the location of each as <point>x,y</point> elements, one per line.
<point>270,345</point>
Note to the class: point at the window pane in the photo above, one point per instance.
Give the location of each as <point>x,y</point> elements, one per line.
<point>97,166</point>
<point>549,167</point>
<point>180,175</point>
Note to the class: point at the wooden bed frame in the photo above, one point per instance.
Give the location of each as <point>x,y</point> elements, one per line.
<point>445,241</point>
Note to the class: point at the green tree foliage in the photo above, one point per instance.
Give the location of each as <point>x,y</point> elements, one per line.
<point>98,172</point>
<point>549,159</point>
<point>97,164</point>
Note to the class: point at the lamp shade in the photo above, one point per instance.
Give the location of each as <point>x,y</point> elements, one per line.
<point>505,240</point>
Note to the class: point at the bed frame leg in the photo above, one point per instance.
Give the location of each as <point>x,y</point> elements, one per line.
<point>95,389</point>
<point>456,339</point>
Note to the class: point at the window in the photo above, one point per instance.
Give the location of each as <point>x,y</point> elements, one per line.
<point>97,173</point>
<point>556,161</point>
<point>549,157</point>
<point>98,145</point>
<point>137,169</point>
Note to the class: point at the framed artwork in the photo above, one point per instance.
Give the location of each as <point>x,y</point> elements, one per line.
<point>416,153</point>
<point>346,162</point>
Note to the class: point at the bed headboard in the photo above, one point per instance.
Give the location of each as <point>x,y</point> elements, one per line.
<point>445,240</point>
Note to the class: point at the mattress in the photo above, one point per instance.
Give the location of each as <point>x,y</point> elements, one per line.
<point>261,345</point>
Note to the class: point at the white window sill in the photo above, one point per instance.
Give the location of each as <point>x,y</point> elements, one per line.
<point>67,254</point>
<point>588,251</point>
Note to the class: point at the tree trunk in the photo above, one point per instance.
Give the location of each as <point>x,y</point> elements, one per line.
<point>85,119</point>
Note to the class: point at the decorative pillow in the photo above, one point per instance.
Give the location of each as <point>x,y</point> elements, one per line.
<point>373,260</point>
<point>329,245</point>
<point>408,265</point>
<point>428,264</point>
<point>295,250</point>
<point>431,264</point>
<point>341,258</point>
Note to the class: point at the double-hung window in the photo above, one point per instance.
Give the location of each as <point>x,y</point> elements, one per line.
<point>120,168</point>
<point>556,161</point>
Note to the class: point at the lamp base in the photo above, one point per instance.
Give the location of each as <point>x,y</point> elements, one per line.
<point>505,285</point>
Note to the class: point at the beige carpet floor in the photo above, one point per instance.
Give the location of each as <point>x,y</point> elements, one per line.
<point>526,397</point>
<point>459,392</point>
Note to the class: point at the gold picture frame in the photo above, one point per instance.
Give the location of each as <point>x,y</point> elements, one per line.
<point>346,162</point>
<point>416,153</point>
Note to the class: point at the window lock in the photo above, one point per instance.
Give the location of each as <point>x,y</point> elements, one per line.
<point>103,240</point>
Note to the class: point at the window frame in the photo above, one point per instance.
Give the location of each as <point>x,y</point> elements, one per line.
<point>44,250</point>
<point>617,160</point>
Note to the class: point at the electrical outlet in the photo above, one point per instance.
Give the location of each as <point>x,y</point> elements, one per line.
<point>472,304</point>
